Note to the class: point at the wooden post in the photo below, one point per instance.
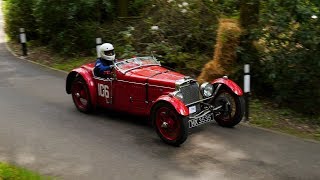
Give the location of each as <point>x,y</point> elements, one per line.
<point>23,41</point>
<point>98,44</point>
<point>246,90</point>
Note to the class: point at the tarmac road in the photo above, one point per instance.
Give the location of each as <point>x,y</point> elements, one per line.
<point>41,129</point>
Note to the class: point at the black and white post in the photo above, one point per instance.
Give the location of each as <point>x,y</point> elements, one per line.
<point>23,41</point>
<point>246,89</point>
<point>98,44</point>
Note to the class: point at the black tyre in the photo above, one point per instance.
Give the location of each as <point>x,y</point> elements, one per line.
<point>232,110</point>
<point>170,126</point>
<point>81,95</point>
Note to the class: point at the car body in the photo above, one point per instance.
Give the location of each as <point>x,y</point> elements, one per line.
<point>172,101</point>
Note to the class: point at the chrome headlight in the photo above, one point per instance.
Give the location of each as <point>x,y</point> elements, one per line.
<point>178,95</point>
<point>206,89</point>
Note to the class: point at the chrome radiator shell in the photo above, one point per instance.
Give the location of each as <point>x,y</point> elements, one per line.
<point>190,91</point>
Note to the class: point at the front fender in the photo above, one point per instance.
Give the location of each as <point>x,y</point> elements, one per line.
<point>229,83</point>
<point>180,107</point>
<point>87,76</point>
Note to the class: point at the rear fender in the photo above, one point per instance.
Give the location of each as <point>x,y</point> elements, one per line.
<point>180,107</point>
<point>230,84</point>
<point>87,76</point>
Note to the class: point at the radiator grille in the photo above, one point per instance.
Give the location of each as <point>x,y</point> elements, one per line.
<point>190,93</point>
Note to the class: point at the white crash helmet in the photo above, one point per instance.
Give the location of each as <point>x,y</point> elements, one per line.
<point>106,51</point>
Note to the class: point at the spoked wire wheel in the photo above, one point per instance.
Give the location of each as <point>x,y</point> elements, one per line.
<point>170,126</point>
<point>168,123</point>
<point>80,95</point>
<point>232,108</point>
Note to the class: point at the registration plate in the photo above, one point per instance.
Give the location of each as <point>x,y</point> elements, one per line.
<point>202,120</point>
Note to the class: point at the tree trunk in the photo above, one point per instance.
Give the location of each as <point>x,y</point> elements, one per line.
<point>249,20</point>
<point>123,8</point>
<point>249,13</point>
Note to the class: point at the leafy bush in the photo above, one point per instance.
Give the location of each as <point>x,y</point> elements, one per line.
<point>19,15</point>
<point>174,31</point>
<point>289,42</point>
<point>67,26</point>
<point>135,7</point>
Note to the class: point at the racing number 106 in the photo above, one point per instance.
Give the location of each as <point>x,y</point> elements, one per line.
<point>103,90</point>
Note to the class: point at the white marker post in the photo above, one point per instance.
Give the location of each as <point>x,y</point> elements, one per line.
<point>23,41</point>
<point>98,44</point>
<point>246,89</point>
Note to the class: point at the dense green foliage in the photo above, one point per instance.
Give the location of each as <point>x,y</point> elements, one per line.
<point>174,31</point>
<point>19,14</point>
<point>67,26</point>
<point>285,64</point>
<point>289,54</point>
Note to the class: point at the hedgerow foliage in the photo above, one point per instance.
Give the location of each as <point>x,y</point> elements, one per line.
<point>174,31</point>
<point>289,53</point>
<point>19,15</point>
<point>67,26</point>
<point>181,31</point>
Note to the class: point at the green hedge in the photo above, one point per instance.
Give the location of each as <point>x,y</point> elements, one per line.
<point>67,26</point>
<point>19,14</point>
<point>289,54</point>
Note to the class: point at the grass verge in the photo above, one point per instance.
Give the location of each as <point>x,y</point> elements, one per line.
<point>262,112</point>
<point>10,172</point>
<point>45,56</point>
<point>266,114</point>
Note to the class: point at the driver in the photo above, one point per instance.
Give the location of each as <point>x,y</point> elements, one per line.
<point>104,64</point>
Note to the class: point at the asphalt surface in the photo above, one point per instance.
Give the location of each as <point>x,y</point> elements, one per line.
<point>41,129</point>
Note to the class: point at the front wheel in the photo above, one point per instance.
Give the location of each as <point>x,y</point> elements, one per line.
<point>170,126</point>
<point>232,108</point>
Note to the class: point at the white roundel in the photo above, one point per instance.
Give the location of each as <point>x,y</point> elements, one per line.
<point>107,52</point>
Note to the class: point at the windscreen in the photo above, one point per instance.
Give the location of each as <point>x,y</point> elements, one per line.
<point>136,62</point>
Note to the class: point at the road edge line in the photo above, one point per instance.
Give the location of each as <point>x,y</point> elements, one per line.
<point>278,132</point>
<point>24,58</point>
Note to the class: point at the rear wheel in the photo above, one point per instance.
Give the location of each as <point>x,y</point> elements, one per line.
<point>81,95</point>
<point>232,108</point>
<point>171,127</point>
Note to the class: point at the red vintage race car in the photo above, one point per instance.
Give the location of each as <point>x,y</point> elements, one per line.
<point>172,101</point>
